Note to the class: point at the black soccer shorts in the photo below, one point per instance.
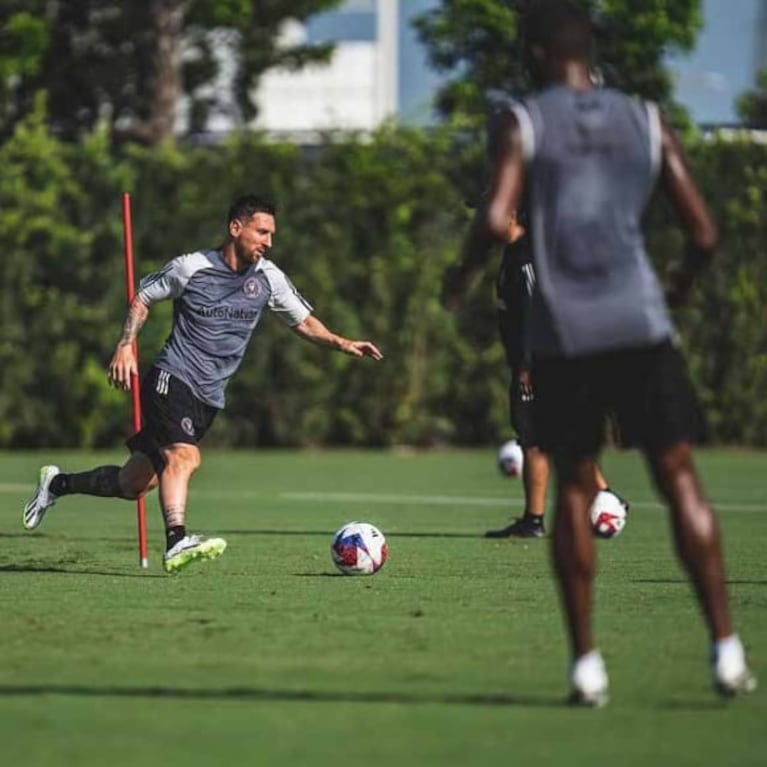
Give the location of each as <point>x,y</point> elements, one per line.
<point>646,392</point>
<point>171,414</point>
<point>521,411</point>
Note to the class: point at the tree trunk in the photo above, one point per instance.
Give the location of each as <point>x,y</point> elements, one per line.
<point>168,25</point>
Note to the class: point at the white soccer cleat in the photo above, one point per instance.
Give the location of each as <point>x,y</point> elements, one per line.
<point>588,681</point>
<point>42,500</point>
<point>731,674</point>
<point>192,548</point>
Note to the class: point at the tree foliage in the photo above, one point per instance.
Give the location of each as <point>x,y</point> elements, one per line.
<point>23,42</point>
<point>131,64</point>
<point>752,106</point>
<point>477,43</point>
<point>366,228</point>
<point>60,239</point>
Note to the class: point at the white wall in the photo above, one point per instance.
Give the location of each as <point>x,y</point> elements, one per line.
<point>341,94</point>
<point>357,90</point>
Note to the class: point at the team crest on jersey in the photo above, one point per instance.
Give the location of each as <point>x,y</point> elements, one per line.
<point>187,426</point>
<point>252,287</point>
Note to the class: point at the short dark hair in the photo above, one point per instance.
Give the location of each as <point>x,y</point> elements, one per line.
<point>244,207</point>
<point>562,28</point>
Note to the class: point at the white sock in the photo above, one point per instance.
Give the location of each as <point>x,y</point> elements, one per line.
<point>728,653</point>
<point>589,672</point>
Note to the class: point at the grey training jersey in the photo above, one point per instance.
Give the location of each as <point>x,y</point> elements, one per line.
<point>215,311</point>
<point>592,160</point>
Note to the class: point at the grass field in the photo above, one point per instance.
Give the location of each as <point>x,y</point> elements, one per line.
<point>452,655</point>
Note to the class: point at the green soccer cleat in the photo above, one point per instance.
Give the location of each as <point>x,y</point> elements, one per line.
<point>192,548</point>
<point>42,500</point>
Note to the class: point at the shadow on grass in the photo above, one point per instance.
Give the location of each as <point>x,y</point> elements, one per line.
<point>256,694</point>
<point>329,533</point>
<point>58,569</point>
<point>686,582</point>
<point>264,694</point>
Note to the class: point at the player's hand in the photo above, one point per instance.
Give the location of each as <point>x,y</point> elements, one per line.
<point>362,349</point>
<point>679,284</point>
<point>525,384</point>
<point>515,231</point>
<point>123,367</point>
<point>454,286</point>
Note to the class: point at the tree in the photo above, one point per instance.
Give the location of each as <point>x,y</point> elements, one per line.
<point>130,64</point>
<point>60,236</point>
<point>477,43</point>
<point>23,41</point>
<point>752,106</point>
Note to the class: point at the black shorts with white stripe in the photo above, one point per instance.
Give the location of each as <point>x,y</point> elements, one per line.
<point>171,414</point>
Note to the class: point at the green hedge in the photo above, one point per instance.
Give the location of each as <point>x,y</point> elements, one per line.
<point>366,226</point>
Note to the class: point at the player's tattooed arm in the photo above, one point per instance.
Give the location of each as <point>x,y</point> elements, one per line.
<point>123,365</point>
<point>138,311</point>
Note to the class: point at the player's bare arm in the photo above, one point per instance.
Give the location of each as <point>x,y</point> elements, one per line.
<point>692,211</point>
<point>506,180</point>
<point>123,365</point>
<point>316,331</point>
<point>503,141</point>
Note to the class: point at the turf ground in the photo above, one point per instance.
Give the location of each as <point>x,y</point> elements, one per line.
<point>452,655</point>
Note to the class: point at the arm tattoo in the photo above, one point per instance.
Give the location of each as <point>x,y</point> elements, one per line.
<point>134,321</point>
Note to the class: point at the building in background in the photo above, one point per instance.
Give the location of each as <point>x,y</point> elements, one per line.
<point>380,71</point>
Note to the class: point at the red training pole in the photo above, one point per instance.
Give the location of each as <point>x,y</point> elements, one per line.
<point>134,384</point>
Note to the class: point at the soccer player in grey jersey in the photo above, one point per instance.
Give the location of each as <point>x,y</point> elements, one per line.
<point>218,298</point>
<point>600,333</point>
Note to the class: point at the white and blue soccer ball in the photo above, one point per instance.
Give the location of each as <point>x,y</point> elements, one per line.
<point>359,548</point>
<point>511,459</point>
<point>608,515</point>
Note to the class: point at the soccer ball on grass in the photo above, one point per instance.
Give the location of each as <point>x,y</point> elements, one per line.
<point>608,515</point>
<point>511,459</point>
<point>359,548</point>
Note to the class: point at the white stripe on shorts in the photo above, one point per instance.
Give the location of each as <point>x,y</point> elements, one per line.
<point>163,379</point>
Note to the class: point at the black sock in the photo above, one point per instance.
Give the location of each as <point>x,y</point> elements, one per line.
<point>102,481</point>
<point>60,485</point>
<point>173,535</point>
<point>533,519</point>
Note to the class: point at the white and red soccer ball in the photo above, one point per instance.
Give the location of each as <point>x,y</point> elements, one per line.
<point>359,548</point>
<point>607,514</point>
<point>511,459</point>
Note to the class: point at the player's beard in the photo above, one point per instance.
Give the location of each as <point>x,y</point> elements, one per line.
<point>247,258</point>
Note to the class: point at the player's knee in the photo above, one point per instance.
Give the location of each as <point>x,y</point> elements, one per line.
<point>136,478</point>
<point>183,458</point>
<point>139,491</point>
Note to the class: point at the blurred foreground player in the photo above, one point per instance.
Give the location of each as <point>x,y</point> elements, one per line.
<point>600,332</point>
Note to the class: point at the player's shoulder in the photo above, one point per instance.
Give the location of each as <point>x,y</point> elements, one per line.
<point>503,108</point>
<point>269,268</point>
<point>192,262</point>
<point>505,116</point>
